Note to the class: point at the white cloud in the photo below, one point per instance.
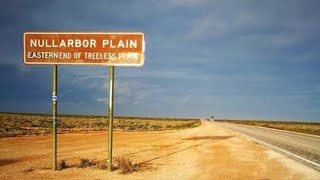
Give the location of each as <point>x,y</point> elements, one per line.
<point>180,3</point>
<point>126,88</point>
<point>188,2</point>
<point>208,26</point>
<point>317,88</point>
<point>245,19</point>
<point>102,100</point>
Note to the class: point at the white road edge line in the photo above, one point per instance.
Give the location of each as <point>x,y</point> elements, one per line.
<point>254,139</point>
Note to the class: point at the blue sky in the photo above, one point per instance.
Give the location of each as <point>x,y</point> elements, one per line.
<point>243,59</point>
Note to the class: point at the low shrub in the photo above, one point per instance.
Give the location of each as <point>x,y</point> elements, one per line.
<point>125,165</point>
<point>102,165</point>
<point>62,164</point>
<point>84,163</point>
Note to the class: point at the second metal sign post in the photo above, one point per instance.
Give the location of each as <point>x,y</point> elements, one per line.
<point>111,96</point>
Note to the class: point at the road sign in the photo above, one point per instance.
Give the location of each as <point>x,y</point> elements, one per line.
<point>84,48</point>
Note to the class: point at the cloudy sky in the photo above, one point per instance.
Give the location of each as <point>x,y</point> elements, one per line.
<point>243,59</point>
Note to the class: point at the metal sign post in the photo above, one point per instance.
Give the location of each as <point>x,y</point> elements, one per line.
<point>54,116</point>
<point>111,96</point>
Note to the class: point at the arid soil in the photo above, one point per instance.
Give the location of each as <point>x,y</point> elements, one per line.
<point>207,152</point>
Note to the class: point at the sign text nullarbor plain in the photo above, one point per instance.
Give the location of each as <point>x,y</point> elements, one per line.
<point>86,43</point>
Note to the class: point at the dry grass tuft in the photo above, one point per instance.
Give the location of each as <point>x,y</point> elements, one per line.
<point>125,165</point>
<point>28,170</point>
<point>102,165</point>
<point>62,165</point>
<point>85,163</point>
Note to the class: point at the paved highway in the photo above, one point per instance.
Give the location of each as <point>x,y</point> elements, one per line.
<point>304,148</point>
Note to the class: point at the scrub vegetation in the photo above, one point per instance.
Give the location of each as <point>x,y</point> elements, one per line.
<point>125,165</point>
<point>302,127</point>
<point>62,165</point>
<point>40,124</point>
<point>121,164</point>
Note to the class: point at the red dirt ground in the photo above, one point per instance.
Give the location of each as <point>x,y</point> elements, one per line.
<point>206,152</point>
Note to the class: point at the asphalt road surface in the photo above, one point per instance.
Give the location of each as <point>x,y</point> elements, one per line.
<point>304,146</point>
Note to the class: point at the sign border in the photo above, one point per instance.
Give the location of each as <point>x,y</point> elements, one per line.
<point>75,64</point>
